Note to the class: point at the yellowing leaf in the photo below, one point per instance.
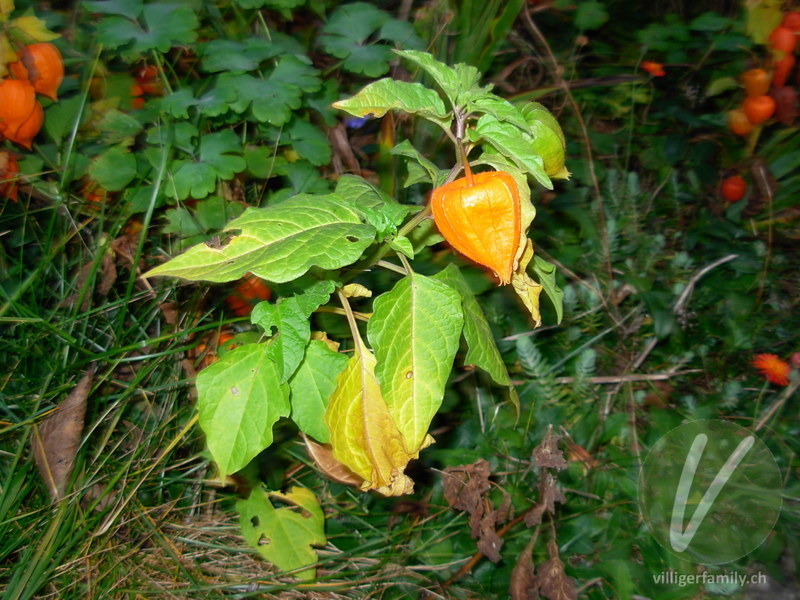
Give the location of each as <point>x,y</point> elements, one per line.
<point>7,54</point>
<point>364,436</point>
<point>284,536</point>
<point>6,6</point>
<point>762,17</point>
<point>34,28</point>
<point>527,289</point>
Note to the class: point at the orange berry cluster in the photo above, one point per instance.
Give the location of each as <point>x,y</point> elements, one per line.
<point>146,83</point>
<point>37,70</point>
<point>767,94</point>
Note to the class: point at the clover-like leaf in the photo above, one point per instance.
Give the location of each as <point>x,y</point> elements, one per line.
<point>113,169</point>
<point>348,29</point>
<point>219,158</point>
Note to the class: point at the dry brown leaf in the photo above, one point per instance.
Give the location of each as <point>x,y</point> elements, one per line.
<point>547,454</point>
<point>108,274</point>
<point>553,583</point>
<point>170,312</point>
<point>489,543</point>
<point>55,441</point>
<point>465,485</point>
<point>523,577</point>
<point>330,467</point>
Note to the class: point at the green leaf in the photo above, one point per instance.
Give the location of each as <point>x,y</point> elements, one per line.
<point>290,316</point>
<point>312,385</point>
<point>590,15</point>
<point>214,212</point>
<point>309,142</point>
<point>60,118</point>
<point>548,139</point>
<point>303,177</point>
<point>220,158</point>
<point>284,536</point>
<point>459,83</point>
<point>379,210</point>
<point>513,143</point>
<point>231,55</point>
<point>500,109</point>
<point>160,26</point>
<point>126,8</point>
<point>546,275</point>
<point>402,244</point>
<point>384,95</point>
<point>279,243</point>
<point>113,169</point>
<point>481,348</point>
<point>434,174</point>
<point>118,127</point>
<point>270,99</point>
<point>414,330</point>
<point>178,103</point>
<point>346,34</point>
<point>710,21</point>
<point>261,161</point>
<point>239,399</point>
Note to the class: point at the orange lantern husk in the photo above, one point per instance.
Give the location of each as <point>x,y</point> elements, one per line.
<point>29,129</point>
<point>479,215</point>
<point>18,105</point>
<point>45,68</point>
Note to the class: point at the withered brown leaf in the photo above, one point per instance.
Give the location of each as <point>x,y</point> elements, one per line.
<point>55,441</point>
<point>552,580</point>
<point>547,453</point>
<point>523,578</point>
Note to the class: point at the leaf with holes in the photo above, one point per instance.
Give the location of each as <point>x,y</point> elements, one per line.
<point>285,536</point>
<point>279,243</point>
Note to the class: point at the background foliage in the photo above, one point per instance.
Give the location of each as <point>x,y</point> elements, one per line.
<point>235,111</point>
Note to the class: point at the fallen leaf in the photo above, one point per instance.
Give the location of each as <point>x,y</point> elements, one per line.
<point>285,536</point>
<point>55,441</point>
<point>108,273</point>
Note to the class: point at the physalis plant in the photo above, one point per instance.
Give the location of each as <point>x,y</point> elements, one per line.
<point>365,413</point>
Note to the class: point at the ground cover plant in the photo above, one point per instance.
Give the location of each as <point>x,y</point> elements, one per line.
<point>321,299</point>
